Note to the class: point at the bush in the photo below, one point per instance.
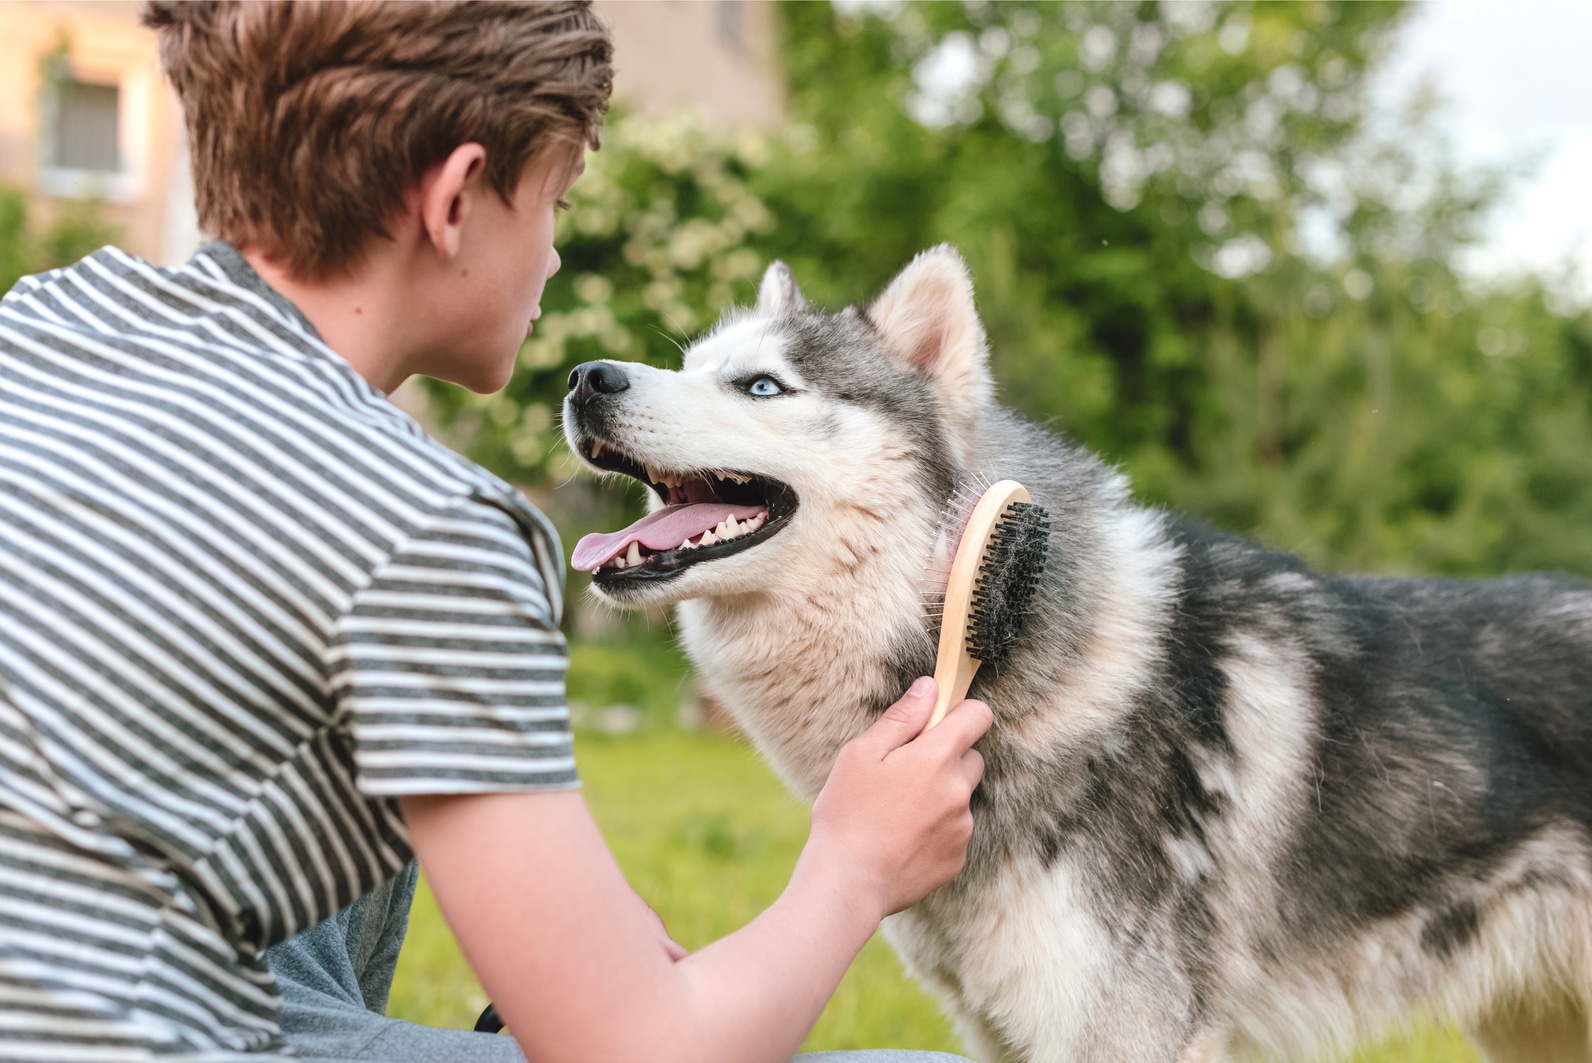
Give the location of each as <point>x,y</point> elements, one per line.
<point>642,673</point>
<point>77,229</point>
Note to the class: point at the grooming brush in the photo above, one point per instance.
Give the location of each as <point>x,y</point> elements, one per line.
<point>998,562</point>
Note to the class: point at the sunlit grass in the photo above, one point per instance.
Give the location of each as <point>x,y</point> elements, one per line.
<point>709,837</point>
<point>1424,1044</point>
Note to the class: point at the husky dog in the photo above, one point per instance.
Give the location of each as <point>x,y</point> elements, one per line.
<point>1232,809</point>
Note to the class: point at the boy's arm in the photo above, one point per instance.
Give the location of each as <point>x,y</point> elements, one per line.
<point>571,959</point>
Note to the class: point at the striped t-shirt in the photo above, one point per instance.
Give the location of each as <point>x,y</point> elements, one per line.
<point>245,604</point>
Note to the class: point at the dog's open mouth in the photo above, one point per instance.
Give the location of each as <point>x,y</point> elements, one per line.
<point>707,515</point>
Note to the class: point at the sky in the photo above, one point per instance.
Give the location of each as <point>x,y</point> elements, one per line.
<point>1516,77</point>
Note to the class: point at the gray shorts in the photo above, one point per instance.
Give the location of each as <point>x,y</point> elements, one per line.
<point>335,977</point>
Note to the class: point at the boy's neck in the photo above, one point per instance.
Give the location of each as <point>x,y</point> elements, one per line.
<point>361,315</point>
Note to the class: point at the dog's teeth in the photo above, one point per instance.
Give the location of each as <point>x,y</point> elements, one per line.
<point>734,528</point>
<point>686,545</point>
<point>633,555</point>
<point>652,475</point>
<point>755,523</point>
<point>618,562</point>
<point>707,538</point>
<point>597,449</point>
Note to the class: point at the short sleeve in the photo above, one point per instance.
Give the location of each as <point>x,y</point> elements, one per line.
<point>449,666</point>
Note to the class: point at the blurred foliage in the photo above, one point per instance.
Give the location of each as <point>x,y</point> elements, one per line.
<point>74,231</point>
<point>1196,248</point>
<point>641,672</point>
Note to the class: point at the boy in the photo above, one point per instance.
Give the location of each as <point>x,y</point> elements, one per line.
<point>261,639</point>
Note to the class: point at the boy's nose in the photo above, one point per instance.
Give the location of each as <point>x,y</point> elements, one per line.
<point>597,378</point>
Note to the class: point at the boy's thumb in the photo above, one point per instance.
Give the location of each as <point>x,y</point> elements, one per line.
<point>903,721</point>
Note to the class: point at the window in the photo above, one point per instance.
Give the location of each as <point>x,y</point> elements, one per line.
<point>85,133</point>
<point>730,23</point>
<point>84,149</point>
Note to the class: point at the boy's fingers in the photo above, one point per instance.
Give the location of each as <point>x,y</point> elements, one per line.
<point>965,724</point>
<point>903,721</point>
<point>973,764</point>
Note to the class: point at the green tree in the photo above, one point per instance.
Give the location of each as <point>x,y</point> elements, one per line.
<point>1196,249</point>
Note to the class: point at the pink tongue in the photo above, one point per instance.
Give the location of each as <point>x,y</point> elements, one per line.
<point>663,530</point>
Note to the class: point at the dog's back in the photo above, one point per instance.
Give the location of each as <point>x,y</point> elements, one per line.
<point>1323,797</point>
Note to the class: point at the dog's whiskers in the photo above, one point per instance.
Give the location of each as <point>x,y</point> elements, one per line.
<point>678,345</point>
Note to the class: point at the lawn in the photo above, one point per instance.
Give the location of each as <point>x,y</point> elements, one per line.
<point>708,836</point>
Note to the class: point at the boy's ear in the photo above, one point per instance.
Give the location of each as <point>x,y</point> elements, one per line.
<point>445,197</point>
<point>927,319</point>
<point>778,295</point>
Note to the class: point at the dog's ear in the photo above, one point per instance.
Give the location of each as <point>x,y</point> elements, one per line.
<point>927,318</point>
<point>778,295</point>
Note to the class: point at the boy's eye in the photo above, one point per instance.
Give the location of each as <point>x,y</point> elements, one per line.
<point>764,387</point>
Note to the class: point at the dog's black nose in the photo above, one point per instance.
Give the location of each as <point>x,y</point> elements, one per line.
<point>591,378</point>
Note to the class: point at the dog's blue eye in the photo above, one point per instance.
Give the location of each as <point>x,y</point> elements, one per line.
<point>763,387</point>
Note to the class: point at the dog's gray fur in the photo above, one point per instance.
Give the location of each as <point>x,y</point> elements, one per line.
<point>1232,809</point>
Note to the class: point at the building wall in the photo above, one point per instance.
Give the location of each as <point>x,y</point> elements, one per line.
<point>102,43</point>
<point>717,57</point>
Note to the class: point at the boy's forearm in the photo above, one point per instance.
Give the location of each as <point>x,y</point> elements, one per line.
<point>590,980</point>
<point>570,953</point>
<point>757,992</point>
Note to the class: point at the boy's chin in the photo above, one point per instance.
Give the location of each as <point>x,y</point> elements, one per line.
<point>482,375</point>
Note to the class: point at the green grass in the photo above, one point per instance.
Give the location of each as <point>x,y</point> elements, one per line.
<point>708,836</point>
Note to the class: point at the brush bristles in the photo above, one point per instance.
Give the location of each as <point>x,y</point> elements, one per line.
<point>953,520</point>
<point>1006,582</point>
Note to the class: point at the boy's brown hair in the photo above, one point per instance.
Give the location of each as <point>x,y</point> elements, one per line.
<point>309,121</point>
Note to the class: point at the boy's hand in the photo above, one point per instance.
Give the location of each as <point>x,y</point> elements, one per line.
<point>895,807</point>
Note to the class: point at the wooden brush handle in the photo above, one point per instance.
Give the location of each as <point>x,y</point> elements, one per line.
<point>953,680</point>
<point>954,667</point>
